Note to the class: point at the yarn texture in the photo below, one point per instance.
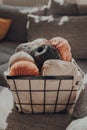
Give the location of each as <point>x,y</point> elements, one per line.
<point>63,48</point>
<point>20,56</point>
<point>43,53</point>
<point>24,68</point>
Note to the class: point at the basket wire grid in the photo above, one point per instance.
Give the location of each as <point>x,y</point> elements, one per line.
<point>44,78</point>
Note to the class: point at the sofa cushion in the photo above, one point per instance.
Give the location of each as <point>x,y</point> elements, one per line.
<point>57,9</point>
<point>82,9</point>
<point>66,8</point>
<point>74,30</point>
<point>4,27</point>
<point>17,31</point>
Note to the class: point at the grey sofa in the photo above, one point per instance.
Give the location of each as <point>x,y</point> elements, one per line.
<point>74,30</point>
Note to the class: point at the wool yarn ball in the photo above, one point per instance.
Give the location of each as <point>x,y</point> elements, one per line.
<point>43,53</point>
<point>20,56</point>
<point>24,68</point>
<point>63,48</point>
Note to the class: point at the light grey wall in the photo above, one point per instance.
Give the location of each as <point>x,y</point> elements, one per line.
<point>79,2</point>
<point>25,2</point>
<point>82,2</point>
<point>37,2</point>
<point>1,1</point>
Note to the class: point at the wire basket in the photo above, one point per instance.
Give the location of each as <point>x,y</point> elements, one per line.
<point>43,94</point>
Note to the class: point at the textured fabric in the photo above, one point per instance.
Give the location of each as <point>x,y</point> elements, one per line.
<point>4,27</point>
<point>62,47</point>
<point>18,31</point>
<point>20,56</point>
<point>59,67</point>
<point>23,68</point>
<point>80,124</point>
<point>43,53</point>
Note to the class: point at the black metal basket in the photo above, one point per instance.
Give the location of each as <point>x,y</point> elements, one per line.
<point>14,81</point>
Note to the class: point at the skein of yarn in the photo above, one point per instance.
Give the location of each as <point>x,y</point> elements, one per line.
<point>43,53</point>
<point>24,68</point>
<point>63,48</point>
<point>20,56</point>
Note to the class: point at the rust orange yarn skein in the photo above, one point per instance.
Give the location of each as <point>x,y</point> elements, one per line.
<point>24,68</point>
<point>63,48</point>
